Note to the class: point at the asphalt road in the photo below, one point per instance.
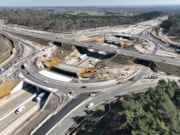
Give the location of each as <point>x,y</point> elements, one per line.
<point>34,76</point>
<point>20,50</point>
<point>98,47</point>
<point>12,104</point>
<point>63,112</point>
<point>13,116</point>
<point>61,127</point>
<point>18,53</point>
<point>39,79</point>
<point>31,74</point>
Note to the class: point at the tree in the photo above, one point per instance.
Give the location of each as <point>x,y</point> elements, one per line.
<point>154,111</point>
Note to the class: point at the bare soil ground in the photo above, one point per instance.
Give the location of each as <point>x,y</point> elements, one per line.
<point>169,69</point>
<point>2,21</point>
<point>175,39</point>
<point>7,86</point>
<point>116,61</point>
<point>65,50</point>
<point>5,48</point>
<point>161,52</point>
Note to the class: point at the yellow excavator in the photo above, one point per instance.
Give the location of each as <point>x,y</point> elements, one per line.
<point>51,62</point>
<point>88,73</point>
<point>125,43</point>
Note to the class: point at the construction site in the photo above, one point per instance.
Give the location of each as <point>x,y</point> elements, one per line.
<point>83,64</point>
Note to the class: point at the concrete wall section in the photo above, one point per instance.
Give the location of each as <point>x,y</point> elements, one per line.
<point>18,87</point>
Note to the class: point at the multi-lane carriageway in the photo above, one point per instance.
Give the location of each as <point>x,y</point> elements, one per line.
<point>111,50</point>
<point>149,57</point>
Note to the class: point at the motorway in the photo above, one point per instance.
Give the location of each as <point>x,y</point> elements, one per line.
<point>8,107</point>
<point>32,74</point>
<point>110,90</point>
<point>62,126</point>
<point>13,104</point>
<point>149,57</point>
<point>65,110</point>
<point>67,118</point>
<point>64,86</point>
<point>12,65</point>
<point>18,53</point>
<point>110,93</point>
<point>156,41</point>
<point>12,117</point>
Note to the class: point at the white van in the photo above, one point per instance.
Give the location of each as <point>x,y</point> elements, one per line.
<point>90,105</point>
<point>20,109</point>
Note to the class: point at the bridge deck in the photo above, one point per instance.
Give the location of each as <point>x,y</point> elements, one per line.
<point>69,68</point>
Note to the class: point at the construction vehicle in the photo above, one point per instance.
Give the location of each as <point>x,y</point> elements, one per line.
<point>51,62</point>
<point>124,43</point>
<point>118,42</point>
<point>91,72</point>
<point>88,73</point>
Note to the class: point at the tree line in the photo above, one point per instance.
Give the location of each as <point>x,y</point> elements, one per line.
<point>155,112</point>
<point>172,25</point>
<point>62,21</point>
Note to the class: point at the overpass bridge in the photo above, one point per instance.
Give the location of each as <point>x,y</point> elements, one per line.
<point>26,81</point>
<point>149,57</point>
<point>68,68</point>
